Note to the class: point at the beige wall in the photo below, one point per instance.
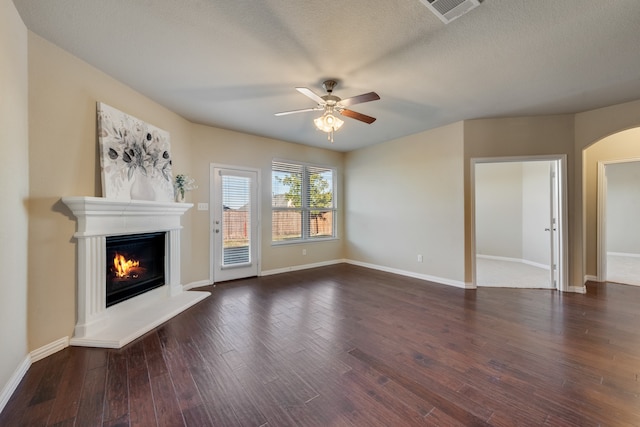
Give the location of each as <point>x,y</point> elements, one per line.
<point>212,145</point>
<point>63,161</point>
<point>404,198</point>
<point>14,176</point>
<point>498,209</point>
<point>515,137</point>
<point>619,146</point>
<point>623,206</point>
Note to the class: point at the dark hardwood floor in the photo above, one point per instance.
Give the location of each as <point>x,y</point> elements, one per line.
<point>347,346</point>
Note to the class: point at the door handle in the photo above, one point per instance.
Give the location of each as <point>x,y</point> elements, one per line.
<point>546,229</point>
<point>217,230</point>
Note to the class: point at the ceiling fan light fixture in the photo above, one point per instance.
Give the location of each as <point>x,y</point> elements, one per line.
<point>328,123</point>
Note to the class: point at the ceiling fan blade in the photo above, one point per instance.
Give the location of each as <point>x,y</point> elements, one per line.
<point>308,92</point>
<point>358,116</point>
<point>304,110</point>
<point>365,97</point>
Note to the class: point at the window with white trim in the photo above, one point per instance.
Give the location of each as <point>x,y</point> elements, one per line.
<point>303,203</point>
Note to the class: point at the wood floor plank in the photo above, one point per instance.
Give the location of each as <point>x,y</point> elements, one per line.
<point>344,345</point>
<point>186,390</point>
<point>69,392</point>
<point>168,413</point>
<point>141,408</point>
<point>91,405</point>
<point>116,403</point>
<point>48,385</point>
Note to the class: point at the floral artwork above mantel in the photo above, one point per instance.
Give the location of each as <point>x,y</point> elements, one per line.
<point>135,157</point>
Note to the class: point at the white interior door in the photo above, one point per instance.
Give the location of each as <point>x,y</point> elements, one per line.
<point>553,224</point>
<point>234,223</point>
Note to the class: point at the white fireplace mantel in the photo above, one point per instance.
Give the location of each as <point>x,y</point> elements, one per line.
<point>97,218</point>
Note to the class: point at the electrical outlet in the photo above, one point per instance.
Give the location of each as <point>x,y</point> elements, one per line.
<point>304,252</point>
<point>419,258</point>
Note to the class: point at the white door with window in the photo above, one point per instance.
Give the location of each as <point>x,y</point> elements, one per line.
<point>234,223</point>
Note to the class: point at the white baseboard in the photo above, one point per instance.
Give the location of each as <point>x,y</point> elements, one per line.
<point>426,277</point>
<point>49,349</point>
<point>630,255</point>
<point>196,284</point>
<point>14,381</point>
<point>498,258</point>
<point>518,260</point>
<point>300,267</point>
<point>21,370</point>
<point>578,289</point>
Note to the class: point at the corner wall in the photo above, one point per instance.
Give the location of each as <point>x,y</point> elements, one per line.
<point>14,176</point>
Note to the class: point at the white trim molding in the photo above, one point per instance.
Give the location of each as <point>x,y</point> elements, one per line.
<point>31,358</point>
<point>14,381</point>
<point>516,260</point>
<point>49,349</point>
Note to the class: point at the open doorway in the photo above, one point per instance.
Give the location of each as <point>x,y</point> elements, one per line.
<point>519,217</point>
<point>618,212</point>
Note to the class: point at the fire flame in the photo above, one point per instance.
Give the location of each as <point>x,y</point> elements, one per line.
<point>123,266</point>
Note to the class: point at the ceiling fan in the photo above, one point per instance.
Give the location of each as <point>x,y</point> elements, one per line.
<point>331,104</point>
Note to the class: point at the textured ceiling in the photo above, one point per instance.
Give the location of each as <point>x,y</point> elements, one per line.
<point>234,63</point>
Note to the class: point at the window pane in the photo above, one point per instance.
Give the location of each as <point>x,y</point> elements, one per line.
<point>236,219</point>
<point>320,193</point>
<point>286,225</point>
<point>320,224</point>
<point>286,185</point>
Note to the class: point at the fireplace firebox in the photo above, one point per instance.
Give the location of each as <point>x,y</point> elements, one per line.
<point>135,265</point>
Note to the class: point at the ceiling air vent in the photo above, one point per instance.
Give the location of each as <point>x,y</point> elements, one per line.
<point>448,10</point>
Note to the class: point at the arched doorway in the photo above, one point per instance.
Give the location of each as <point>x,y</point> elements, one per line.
<point>611,230</point>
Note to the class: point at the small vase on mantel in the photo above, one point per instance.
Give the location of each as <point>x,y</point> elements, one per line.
<point>182,184</point>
